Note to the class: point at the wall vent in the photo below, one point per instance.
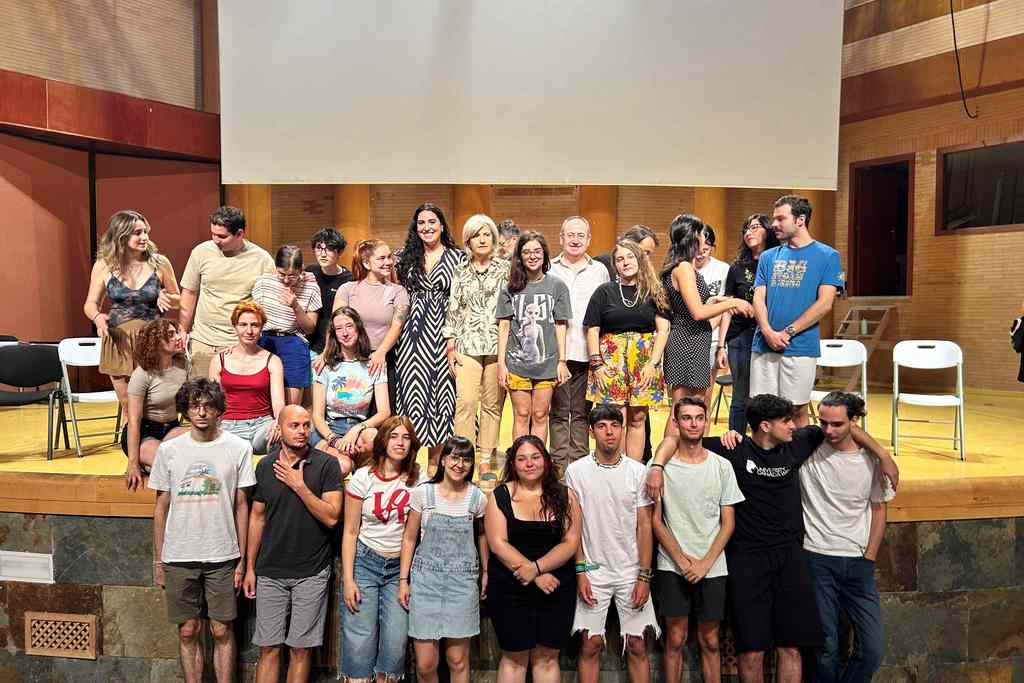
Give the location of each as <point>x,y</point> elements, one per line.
<point>50,634</point>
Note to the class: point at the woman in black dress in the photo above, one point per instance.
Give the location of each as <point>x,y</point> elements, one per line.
<point>688,353</point>
<point>533,528</point>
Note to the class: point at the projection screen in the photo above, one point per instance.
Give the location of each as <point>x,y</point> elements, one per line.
<point>732,93</point>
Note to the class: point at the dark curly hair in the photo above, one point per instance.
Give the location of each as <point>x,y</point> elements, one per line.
<point>411,269</point>
<point>201,389</point>
<point>146,351</point>
<point>554,497</point>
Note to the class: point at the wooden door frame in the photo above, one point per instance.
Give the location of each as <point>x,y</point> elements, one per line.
<point>853,282</point>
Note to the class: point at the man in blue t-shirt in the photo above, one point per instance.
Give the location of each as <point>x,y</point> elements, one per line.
<point>795,286</point>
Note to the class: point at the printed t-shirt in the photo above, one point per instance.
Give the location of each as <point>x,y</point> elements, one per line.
<point>740,284</point>
<point>443,506</point>
<point>715,273</point>
<point>792,277</point>
<point>201,479</point>
<point>532,349</point>
<point>692,507</point>
<point>348,387</point>
<point>385,506</point>
<point>609,498</point>
<point>221,283</point>
<point>159,389</point>
<point>838,489</point>
<point>376,305</point>
<point>771,514</point>
<point>295,544</point>
<point>267,293</point>
<point>328,285</point>
<point>608,312</point>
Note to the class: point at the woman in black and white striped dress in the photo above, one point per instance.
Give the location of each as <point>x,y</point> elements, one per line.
<point>426,265</point>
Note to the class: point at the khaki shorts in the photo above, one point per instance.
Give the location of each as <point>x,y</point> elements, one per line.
<point>791,377</point>
<point>201,354</point>
<point>517,383</point>
<point>189,587</point>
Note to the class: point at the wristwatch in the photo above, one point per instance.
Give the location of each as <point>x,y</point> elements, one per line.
<point>790,330</point>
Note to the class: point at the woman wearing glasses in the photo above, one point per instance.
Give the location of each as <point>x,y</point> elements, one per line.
<point>327,245</point>
<point>438,581</point>
<point>291,301</point>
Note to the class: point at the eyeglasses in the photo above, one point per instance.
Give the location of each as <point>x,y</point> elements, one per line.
<point>324,248</point>
<point>466,460</point>
<point>752,227</point>
<point>532,252</point>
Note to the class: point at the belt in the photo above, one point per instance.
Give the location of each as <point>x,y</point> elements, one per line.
<point>279,333</point>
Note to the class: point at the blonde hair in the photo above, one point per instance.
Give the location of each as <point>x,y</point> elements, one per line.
<point>474,225</point>
<point>647,283</point>
<point>113,246</point>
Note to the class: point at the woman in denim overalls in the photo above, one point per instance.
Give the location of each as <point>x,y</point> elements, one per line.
<point>439,586</point>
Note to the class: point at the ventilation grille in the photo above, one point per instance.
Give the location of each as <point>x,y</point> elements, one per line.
<point>60,635</point>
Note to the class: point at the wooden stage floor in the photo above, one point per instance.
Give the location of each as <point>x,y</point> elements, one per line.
<point>935,484</point>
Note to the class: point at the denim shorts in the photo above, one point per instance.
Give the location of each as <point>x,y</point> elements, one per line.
<point>256,431</point>
<point>373,639</point>
<point>294,354</point>
<point>340,426</point>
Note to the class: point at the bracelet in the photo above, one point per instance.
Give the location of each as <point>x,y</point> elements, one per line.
<point>403,578</point>
<point>645,579</point>
<point>657,464</point>
<point>537,565</point>
<point>645,573</point>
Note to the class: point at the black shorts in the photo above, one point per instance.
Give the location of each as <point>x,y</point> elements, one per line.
<point>148,429</point>
<point>674,596</point>
<point>771,600</point>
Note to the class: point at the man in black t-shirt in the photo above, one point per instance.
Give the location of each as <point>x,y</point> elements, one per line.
<point>771,595</point>
<point>327,244</point>
<point>295,507</point>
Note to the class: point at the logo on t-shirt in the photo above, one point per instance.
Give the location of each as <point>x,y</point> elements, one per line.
<point>199,485</point>
<point>770,472</point>
<point>397,503</point>
<point>788,273</point>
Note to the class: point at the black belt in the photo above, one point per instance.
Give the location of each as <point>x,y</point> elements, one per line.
<point>279,333</point>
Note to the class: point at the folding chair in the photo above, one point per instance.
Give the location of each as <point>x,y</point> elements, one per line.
<point>84,352</point>
<point>28,366</point>
<point>929,355</point>
<point>722,381</point>
<point>843,353</point>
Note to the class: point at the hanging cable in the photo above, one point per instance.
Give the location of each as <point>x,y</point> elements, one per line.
<point>959,74</point>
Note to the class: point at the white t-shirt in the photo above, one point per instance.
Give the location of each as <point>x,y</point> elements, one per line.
<point>443,506</point>
<point>201,478</point>
<point>692,507</point>
<point>837,490</point>
<point>714,273</point>
<point>384,508</point>
<point>609,498</point>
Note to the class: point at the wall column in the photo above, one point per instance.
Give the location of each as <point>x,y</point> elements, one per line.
<point>468,200</point>
<point>352,215</point>
<point>599,204</point>
<point>710,203</point>
<point>255,203</point>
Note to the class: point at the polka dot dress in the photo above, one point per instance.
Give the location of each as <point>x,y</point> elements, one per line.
<point>687,354</point>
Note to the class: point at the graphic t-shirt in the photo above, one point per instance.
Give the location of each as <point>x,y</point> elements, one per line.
<point>692,507</point>
<point>740,284</point>
<point>792,277</point>
<point>349,388</point>
<point>328,285</point>
<point>837,490</point>
<point>772,515</point>
<point>295,545</point>
<point>532,349</point>
<point>385,507</point>
<point>201,479</point>
<point>610,313</point>
<point>715,273</point>
<point>609,498</point>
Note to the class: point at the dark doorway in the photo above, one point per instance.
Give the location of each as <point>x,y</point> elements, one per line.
<point>881,206</point>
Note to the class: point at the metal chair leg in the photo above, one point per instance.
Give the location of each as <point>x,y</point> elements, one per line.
<point>74,422</point>
<point>716,403</point>
<point>50,435</point>
<point>117,424</point>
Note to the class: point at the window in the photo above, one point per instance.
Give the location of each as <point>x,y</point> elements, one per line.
<point>980,188</point>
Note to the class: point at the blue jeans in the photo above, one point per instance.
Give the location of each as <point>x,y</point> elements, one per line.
<point>847,583</point>
<point>339,427</point>
<point>373,639</point>
<point>739,367</point>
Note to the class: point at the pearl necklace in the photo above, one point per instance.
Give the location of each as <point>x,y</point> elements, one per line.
<point>606,465</point>
<point>636,298</point>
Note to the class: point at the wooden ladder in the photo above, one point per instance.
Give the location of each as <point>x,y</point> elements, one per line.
<point>867,324</point>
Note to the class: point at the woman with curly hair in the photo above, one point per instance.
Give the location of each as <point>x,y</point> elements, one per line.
<point>138,282</point>
<point>161,369</point>
<point>533,529</point>
<point>627,326</point>
<point>426,266</point>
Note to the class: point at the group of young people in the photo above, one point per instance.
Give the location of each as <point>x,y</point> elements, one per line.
<point>389,357</point>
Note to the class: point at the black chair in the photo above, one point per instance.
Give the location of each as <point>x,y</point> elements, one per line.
<point>30,366</point>
<point>722,381</point>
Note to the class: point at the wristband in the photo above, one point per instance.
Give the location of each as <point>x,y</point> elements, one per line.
<point>645,573</point>
<point>403,578</point>
<point>537,565</point>
<point>657,464</point>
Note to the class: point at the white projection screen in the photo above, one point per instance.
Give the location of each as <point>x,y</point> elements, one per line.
<point>730,93</point>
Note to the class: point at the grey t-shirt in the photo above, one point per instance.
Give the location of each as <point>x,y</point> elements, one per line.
<point>532,349</point>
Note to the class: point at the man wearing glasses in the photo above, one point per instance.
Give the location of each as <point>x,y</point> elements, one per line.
<point>219,275</point>
<point>328,245</point>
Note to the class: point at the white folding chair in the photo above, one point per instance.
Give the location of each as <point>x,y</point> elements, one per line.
<point>844,353</point>
<point>928,354</point>
<point>84,352</point>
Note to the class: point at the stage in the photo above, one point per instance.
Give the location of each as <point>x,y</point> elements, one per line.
<point>935,484</point>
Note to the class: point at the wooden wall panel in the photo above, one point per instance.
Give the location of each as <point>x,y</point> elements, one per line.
<point>536,207</point>
<point>655,207</point>
<point>22,99</point>
<point>742,203</point>
<point>181,130</point>
<point>963,285</point>
<point>297,212</point>
<point>95,114</point>
<point>391,207</point>
<point>876,17</point>
<point>144,48</point>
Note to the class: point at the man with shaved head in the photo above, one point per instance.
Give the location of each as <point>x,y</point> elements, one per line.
<point>295,507</point>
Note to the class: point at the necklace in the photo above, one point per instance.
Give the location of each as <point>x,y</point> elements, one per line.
<point>606,465</point>
<point>628,304</point>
